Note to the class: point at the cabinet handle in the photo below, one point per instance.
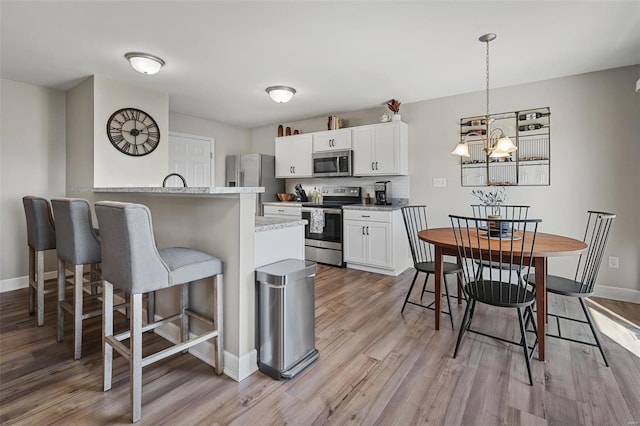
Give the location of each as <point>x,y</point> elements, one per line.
<point>363,231</point>
<point>364,215</point>
<point>367,230</point>
<point>281,210</point>
<point>372,163</point>
<point>290,169</point>
<point>376,165</point>
<point>294,170</point>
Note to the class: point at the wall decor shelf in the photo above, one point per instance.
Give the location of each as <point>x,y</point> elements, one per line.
<point>530,165</point>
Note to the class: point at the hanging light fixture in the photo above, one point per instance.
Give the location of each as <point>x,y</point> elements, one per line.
<point>497,144</point>
<point>144,63</point>
<point>281,94</point>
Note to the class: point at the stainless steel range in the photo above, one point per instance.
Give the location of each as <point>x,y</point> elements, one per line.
<point>323,232</point>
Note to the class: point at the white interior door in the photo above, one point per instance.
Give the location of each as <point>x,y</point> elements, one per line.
<point>192,157</point>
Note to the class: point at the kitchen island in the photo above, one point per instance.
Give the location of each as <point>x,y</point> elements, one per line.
<point>220,221</point>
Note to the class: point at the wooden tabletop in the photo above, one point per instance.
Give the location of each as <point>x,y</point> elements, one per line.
<point>547,245</point>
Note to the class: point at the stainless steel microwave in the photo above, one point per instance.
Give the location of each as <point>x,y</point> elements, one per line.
<point>333,163</point>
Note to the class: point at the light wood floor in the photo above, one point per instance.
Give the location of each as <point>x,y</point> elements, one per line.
<point>376,367</point>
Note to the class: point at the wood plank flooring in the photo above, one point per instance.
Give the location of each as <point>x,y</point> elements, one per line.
<point>376,367</point>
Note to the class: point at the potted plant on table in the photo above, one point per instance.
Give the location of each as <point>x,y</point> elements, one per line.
<point>493,198</point>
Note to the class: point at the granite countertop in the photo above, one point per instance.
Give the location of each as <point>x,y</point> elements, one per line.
<point>387,208</point>
<point>283,203</point>
<point>206,190</point>
<point>270,223</point>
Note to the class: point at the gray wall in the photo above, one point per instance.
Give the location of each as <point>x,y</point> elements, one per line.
<point>595,150</point>
<point>32,141</point>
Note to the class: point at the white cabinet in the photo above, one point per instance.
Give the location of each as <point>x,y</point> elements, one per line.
<point>293,156</point>
<point>283,210</point>
<point>381,149</point>
<point>332,140</point>
<point>375,241</point>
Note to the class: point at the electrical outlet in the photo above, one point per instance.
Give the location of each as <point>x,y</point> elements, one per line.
<point>439,182</point>
<point>614,262</point>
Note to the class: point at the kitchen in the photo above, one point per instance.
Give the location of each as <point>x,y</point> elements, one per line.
<point>64,169</point>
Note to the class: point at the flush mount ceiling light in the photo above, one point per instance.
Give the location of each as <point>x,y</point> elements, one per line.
<point>497,144</point>
<point>281,94</point>
<point>144,63</point>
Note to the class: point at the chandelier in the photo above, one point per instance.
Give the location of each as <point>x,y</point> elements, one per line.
<point>496,144</point>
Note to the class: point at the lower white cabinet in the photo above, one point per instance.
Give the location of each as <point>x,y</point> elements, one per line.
<point>375,241</point>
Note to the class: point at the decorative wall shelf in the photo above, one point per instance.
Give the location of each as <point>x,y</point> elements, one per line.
<point>529,130</point>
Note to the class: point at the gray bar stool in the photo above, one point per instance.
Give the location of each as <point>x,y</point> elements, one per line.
<point>41,236</point>
<point>132,262</point>
<point>78,245</point>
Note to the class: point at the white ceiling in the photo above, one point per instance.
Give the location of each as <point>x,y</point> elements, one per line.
<point>340,56</point>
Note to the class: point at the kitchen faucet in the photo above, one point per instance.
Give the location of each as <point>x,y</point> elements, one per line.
<point>184,181</point>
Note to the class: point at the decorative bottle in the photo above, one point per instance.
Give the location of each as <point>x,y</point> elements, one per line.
<point>526,127</point>
<point>532,115</point>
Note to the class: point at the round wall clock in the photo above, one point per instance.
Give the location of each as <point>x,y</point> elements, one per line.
<point>133,132</point>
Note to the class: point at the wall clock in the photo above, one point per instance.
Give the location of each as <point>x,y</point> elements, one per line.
<point>133,132</point>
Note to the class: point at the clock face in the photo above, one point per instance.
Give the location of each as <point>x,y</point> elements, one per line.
<point>133,132</point>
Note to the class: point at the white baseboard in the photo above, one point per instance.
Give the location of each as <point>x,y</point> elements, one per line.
<point>17,283</point>
<point>617,293</point>
<point>236,368</point>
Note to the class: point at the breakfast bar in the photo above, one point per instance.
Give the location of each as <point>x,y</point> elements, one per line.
<point>222,222</point>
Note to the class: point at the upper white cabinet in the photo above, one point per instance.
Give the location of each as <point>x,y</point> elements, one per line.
<point>380,149</point>
<point>332,140</point>
<point>293,156</point>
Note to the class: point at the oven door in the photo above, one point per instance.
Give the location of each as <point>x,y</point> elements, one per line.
<point>331,235</point>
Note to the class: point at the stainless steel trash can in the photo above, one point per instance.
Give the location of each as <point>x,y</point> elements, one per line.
<point>286,317</point>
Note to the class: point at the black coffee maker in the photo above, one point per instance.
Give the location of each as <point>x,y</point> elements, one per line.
<point>382,193</point>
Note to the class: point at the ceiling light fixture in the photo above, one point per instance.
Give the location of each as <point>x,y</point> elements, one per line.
<point>497,144</point>
<point>144,63</point>
<point>281,94</point>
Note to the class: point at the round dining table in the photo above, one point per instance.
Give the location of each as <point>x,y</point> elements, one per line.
<point>546,245</point>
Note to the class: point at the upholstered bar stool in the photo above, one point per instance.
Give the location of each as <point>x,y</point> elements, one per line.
<point>132,262</point>
<point>77,245</point>
<point>41,236</point>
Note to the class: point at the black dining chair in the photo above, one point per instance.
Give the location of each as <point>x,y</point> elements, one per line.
<point>415,220</point>
<point>501,285</point>
<point>503,211</point>
<point>583,282</point>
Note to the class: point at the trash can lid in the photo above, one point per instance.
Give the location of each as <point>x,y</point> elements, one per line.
<point>288,270</point>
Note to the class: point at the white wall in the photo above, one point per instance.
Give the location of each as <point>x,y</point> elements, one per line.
<point>32,156</point>
<point>111,167</point>
<point>595,123</point>
<point>229,140</point>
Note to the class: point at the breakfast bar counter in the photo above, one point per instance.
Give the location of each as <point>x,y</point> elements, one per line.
<point>220,221</point>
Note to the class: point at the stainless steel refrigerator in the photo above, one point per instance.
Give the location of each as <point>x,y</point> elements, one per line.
<point>255,170</point>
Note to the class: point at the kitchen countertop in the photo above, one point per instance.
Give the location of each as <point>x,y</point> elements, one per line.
<point>283,203</point>
<point>396,205</point>
<point>270,223</point>
<point>387,208</point>
<point>205,190</point>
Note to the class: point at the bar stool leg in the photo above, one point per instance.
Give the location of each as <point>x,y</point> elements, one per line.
<point>61,297</point>
<point>107,331</point>
<point>32,279</point>
<point>135,367</point>
<point>40,290</point>
<point>151,307</point>
<point>218,315</point>
<point>77,312</point>
<point>184,320</point>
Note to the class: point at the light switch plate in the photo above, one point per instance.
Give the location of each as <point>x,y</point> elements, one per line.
<point>439,182</point>
<point>614,262</point>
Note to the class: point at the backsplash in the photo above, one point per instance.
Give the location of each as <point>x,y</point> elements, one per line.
<point>399,186</point>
